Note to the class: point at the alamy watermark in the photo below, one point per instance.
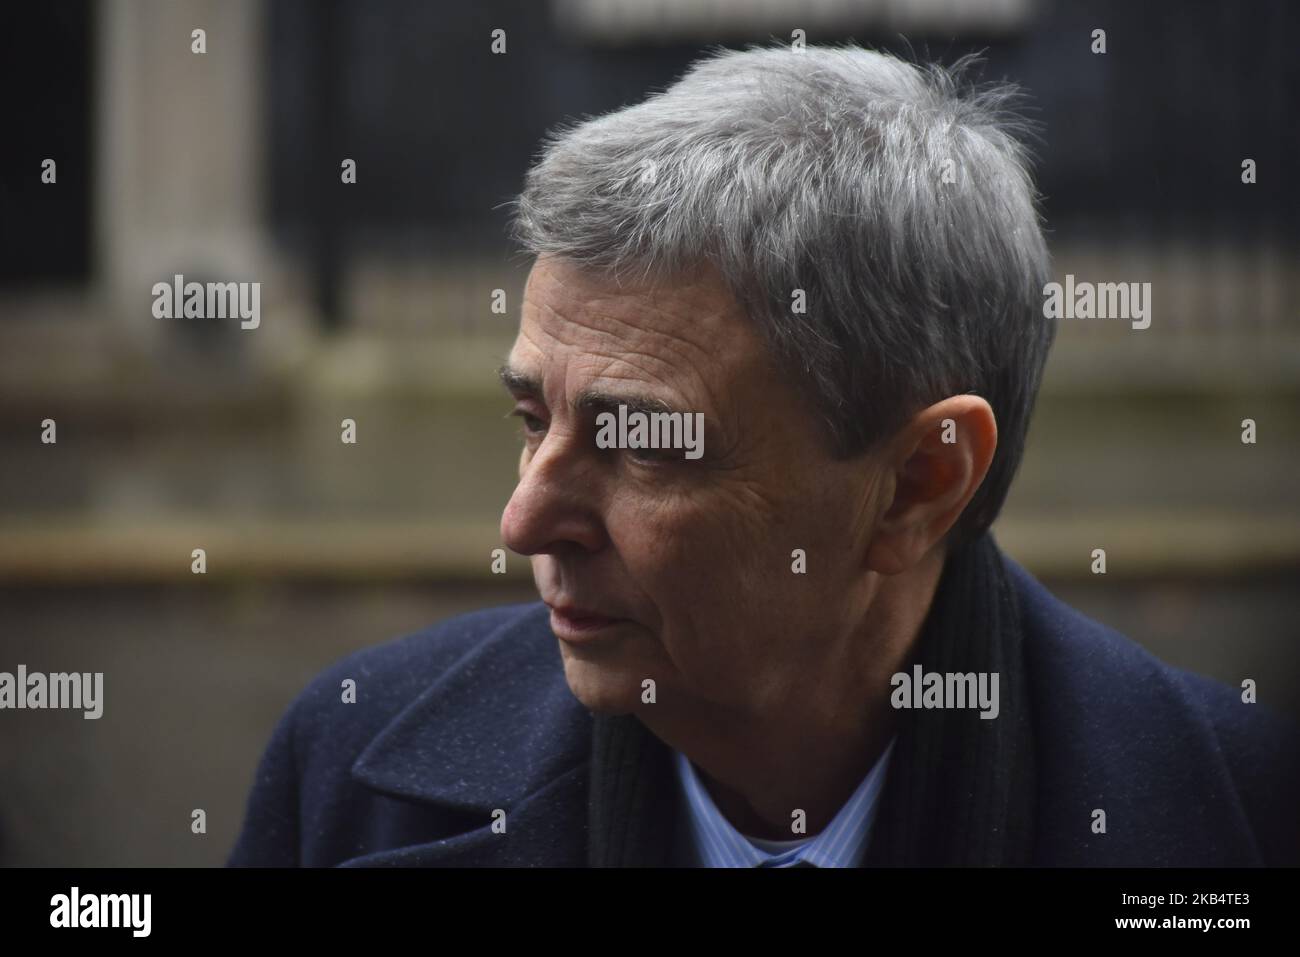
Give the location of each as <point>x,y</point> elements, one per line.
<point>214,300</point>
<point>933,689</point>
<point>1103,300</point>
<point>648,429</point>
<point>61,690</point>
<point>75,909</point>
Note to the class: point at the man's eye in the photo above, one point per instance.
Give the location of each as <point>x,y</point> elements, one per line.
<point>532,425</point>
<point>651,456</point>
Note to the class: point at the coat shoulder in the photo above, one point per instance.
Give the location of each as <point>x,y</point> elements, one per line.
<point>303,777</point>
<point>391,674</point>
<point>1185,771</point>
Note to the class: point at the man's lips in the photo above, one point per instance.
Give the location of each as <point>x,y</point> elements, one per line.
<point>572,622</point>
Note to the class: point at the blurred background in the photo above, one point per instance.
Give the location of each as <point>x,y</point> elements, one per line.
<point>377,306</point>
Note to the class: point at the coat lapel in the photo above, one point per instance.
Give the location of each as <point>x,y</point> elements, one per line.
<point>499,730</point>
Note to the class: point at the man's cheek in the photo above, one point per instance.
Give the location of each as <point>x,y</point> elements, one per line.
<point>702,584</point>
<point>687,550</point>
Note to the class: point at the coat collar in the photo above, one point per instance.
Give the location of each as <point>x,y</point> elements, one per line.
<point>495,728</point>
<point>501,729</point>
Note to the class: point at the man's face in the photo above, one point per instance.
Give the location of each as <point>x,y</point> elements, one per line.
<point>673,569</point>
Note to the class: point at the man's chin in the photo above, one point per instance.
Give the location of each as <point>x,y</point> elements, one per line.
<point>600,688</point>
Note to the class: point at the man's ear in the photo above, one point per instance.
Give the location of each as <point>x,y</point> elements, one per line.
<point>937,460</point>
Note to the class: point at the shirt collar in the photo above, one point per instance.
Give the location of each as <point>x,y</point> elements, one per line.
<point>842,843</point>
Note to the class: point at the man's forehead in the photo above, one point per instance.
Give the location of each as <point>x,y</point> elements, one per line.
<point>565,299</point>
<point>671,338</point>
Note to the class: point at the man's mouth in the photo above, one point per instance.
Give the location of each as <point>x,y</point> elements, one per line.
<point>572,623</point>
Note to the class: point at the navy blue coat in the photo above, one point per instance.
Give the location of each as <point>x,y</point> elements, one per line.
<point>474,715</point>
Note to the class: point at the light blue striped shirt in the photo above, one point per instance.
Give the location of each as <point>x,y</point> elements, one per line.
<point>843,842</point>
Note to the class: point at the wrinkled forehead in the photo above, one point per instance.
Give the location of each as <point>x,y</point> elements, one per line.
<point>686,342</point>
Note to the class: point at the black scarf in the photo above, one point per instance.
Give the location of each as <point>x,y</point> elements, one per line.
<point>959,791</point>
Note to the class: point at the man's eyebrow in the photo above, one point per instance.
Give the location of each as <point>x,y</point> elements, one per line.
<point>592,400</point>
<point>589,400</point>
<point>517,383</point>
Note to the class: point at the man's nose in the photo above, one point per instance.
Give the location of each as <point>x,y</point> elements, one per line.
<point>554,507</point>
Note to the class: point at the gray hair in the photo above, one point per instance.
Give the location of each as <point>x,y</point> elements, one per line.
<point>828,170</point>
